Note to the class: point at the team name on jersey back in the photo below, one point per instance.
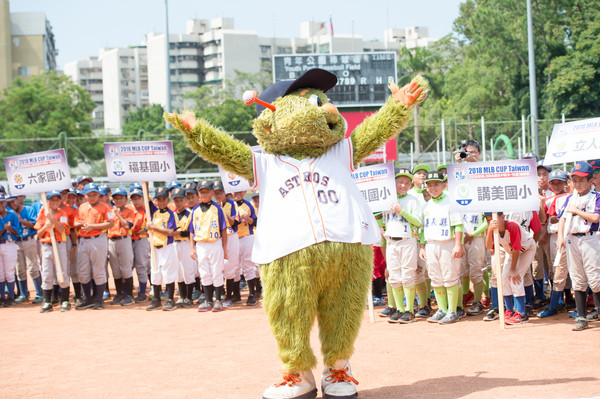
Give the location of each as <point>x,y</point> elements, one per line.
<point>307,177</point>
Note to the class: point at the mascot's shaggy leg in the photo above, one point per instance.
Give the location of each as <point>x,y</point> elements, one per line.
<point>328,281</point>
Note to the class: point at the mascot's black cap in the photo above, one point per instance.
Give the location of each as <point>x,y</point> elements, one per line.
<point>315,78</point>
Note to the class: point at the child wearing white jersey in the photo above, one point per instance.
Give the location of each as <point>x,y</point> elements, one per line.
<point>582,244</point>
<point>518,248</point>
<point>443,233</point>
<point>401,224</point>
<point>557,180</point>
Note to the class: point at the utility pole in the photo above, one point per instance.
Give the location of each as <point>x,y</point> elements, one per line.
<point>168,62</point>
<point>532,85</point>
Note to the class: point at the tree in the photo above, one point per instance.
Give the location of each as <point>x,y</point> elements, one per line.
<point>34,112</point>
<point>411,63</point>
<point>574,88</point>
<point>145,121</point>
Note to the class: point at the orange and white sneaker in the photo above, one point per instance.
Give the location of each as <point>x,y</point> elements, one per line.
<point>294,386</point>
<point>337,381</point>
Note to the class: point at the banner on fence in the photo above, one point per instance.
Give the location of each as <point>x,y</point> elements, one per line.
<point>37,172</point>
<point>500,186</point>
<point>139,161</point>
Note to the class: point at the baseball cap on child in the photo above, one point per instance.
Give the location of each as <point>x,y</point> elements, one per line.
<point>582,169</point>
<point>207,184</point>
<point>120,191</point>
<point>178,192</point>
<point>434,176</point>
<point>558,174</point>
<point>52,194</point>
<point>218,185</point>
<point>161,192</point>
<point>91,188</point>
<point>403,172</point>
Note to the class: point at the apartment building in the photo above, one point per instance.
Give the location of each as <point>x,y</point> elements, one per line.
<point>27,46</point>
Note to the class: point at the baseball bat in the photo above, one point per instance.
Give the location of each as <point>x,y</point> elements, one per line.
<point>498,271</point>
<point>57,263</point>
<point>566,228</point>
<point>148,220</point>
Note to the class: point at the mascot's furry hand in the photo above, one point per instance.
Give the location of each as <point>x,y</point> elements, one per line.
<point>408,94</point>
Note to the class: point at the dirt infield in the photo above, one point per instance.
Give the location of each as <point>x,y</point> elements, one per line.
<point>131,353</point>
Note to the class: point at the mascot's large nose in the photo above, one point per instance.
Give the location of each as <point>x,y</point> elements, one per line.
<point>332,112</point>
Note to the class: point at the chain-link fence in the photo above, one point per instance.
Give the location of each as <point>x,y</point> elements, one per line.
<point>503,139</point>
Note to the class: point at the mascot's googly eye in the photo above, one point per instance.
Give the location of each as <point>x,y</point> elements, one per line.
<point>315,100</point>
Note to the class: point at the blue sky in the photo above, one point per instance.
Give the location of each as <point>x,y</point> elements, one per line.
<point>81,27</point>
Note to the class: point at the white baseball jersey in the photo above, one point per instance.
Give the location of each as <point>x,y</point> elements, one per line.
<point>309,201</point>
<point>588,203</point>
<point>522,218</point>
<point>471,221</point>
<point>396,225</point>
<point>437,219</point>
<point>419,196</point>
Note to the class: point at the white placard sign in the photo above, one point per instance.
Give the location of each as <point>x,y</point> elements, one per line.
<point>137,161</point>
<point>232,182</point>
<point>500,186</point>
<point>574,141</point>
<point>377,185</point>
<point>37,172</point>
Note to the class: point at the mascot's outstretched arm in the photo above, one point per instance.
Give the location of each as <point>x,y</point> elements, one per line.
<point>213,144</point>
<point>390,119</point>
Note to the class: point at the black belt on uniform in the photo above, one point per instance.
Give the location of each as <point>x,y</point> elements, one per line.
<point>589,233</point>
<point>118,238</point>
<point>398,238</point>
<point>161,246</point>
<point>88,238</point>
<point>24,238</point>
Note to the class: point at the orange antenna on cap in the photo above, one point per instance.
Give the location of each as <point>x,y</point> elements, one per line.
<point>250,97</point>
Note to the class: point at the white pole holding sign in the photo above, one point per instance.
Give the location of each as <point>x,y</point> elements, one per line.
<point>498,270</point>
<point>148,221</point>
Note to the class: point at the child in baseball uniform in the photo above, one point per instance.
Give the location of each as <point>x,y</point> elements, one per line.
<point>246,228</point>
<point>231,267</point>
<point>401,224</point>
<point>519,250</point>
<point>27,252</point>
<point>442,233</point>
<point>191,194</point>
<point>187,265</point>
<point>473,263</point>
<point>556,180</point>
<point>54,220</point>
<point>120,250</point>
<point>93,219</point>
<point>209,246</point>
<point>582,243</point>
<point>139,242</point>
<point>8,252</point>
<point>69,204</point>
<point>163,226</point>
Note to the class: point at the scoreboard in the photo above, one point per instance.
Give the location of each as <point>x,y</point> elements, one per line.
<point>363,78</point>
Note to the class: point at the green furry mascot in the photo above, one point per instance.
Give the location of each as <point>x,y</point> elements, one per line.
<point>315,229</point>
